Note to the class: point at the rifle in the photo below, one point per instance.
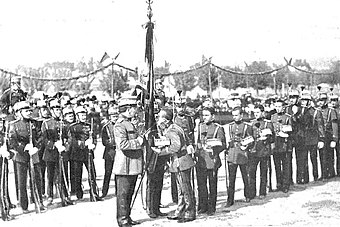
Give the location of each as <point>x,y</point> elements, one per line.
<point>4,199</point>
<point>91,170</point>
<point>270,173</point>
<point>63,184</point>
<point>31,173</point>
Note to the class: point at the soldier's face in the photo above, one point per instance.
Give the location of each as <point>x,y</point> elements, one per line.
<point>237,115</point>
<point>132,111</point>
<point>113,117</point>
<point>278,107</point>
<point>207,116</point>
<point>293,100</point>
<point>162,122</point>
<point>82,117</point>
<point>333,103</point>
<point>258,113</point>
<point>26,113</point>
<point>57,112</point>
<point>44,112</point>
<point>304,102</point>
<point>69,118</point>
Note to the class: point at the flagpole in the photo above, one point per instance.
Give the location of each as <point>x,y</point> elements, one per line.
<point>112,82</point>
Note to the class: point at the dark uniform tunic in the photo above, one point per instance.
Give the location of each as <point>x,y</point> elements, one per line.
<point>127,166</point>
<point>282,151</point>
<point>51,133</point>
<point>337,109</point>
<point>19,135</point>
<point>312,127</point>
<point>331,134</point>
<point>259,154</point>
<point>109,143</point>
<point>208,164</point>
<point>78,133</point>
<point>237,157</point>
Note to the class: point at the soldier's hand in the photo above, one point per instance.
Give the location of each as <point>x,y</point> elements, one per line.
<point>140,140</point>
<point>190,149</point>
<point>33,151</point>
<point>88,142</point>
<point>272,146</point>
<point>28,147</point>
<point>332,144</point>
<point>156,150</point>
<point>321,144</point>
<point>243,147</point>
<point>4,152</point>
<point>58,144</point>
<point>61,148</point>
<point>295,109</point>
<point>91,146</point>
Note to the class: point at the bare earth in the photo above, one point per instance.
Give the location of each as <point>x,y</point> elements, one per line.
<point>314,204</point>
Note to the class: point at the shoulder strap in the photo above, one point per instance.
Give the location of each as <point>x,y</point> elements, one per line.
<point>216,129</point>
<point>244,130</point>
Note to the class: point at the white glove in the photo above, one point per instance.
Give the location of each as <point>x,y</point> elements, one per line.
<point>190,149</point>
<point>283,134</point>
<point>140,140</point>
<point>33,151</point>
<point>272,146</point>
<point>4,152</point>
<point>61,149</point>
<point>88,142</point>
<point>243,147</point>
<point>156,150</point>
<point>295,109</point>
<point>58,144</point>
<point>91,146</point>
<point>320,144</point>
<point>332,144</point>
<point>28,147</point>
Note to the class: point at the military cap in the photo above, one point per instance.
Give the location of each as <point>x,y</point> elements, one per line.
<point>333,97</point>
<point>113,111</point>
<point>54,103</point>
<point>21,105</point>
<point>322,96</point>
<point>293,93</point>
<point>127,101</point>
<point>306,95</point>
<point>80,109</point>
<point>15,79</point>
<point>67,110</point>
<point>41,104</point>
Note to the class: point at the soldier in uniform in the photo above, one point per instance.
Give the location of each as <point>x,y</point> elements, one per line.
<point>262,133</point>
<point>68,119</point>
<point>282,146</point>
<point>108,141</point>
<point>331,137</point>
<point>294,110</point>
<point>334,103</point>
<point>181,163</point>
<point>12,95</point>
<point>237,150</point>
<point>81,143</point>
<point>54,147</point>
<point>5,155</point>
<point>128,159</point>
<point>19,137</point>
<point>311,123</point>
<point>211,142</point>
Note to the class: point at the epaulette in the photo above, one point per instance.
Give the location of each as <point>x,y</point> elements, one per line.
<point>119,120</point>
<point>74,123</point>
<point>247,123</point>
<point>108,122</point>
<point>253,120</point>
<point>217,124</point>
<point>288,115</point>
<point>267,120</point>
<point>14,121</point>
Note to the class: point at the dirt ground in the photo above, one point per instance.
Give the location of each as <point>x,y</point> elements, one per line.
<point>314,204</point>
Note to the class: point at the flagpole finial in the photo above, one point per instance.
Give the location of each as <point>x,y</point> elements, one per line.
<point>150,14</point>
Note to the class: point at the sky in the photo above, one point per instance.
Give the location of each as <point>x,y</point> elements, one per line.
<point>231,32</point>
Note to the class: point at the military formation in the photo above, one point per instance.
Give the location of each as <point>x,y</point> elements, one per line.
<point>51,141</point>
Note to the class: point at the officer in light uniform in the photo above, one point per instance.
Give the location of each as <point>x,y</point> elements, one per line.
<point>128,159</point>
<point>334,103</point>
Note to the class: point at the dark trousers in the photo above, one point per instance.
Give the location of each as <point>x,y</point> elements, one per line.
<point>42,166</point>
<point>154,186</point>
<point>313,153</point>
<point>186,207</point>
<point>22,169</point>
<point>206,196</point>
<point>338,159</point>
<point>290,159</point>
<point>108,165</point>
<point>72,177</point>
<point>174,190</point>
<point>78,175</point>
<point>327,160</point>
<point>5,178</point>
<point>232,170</point>
<point>125,187</point>
<point>282,169</point>
<point>301,154</point>
<point>252,168</point>
<point>53,175</point>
